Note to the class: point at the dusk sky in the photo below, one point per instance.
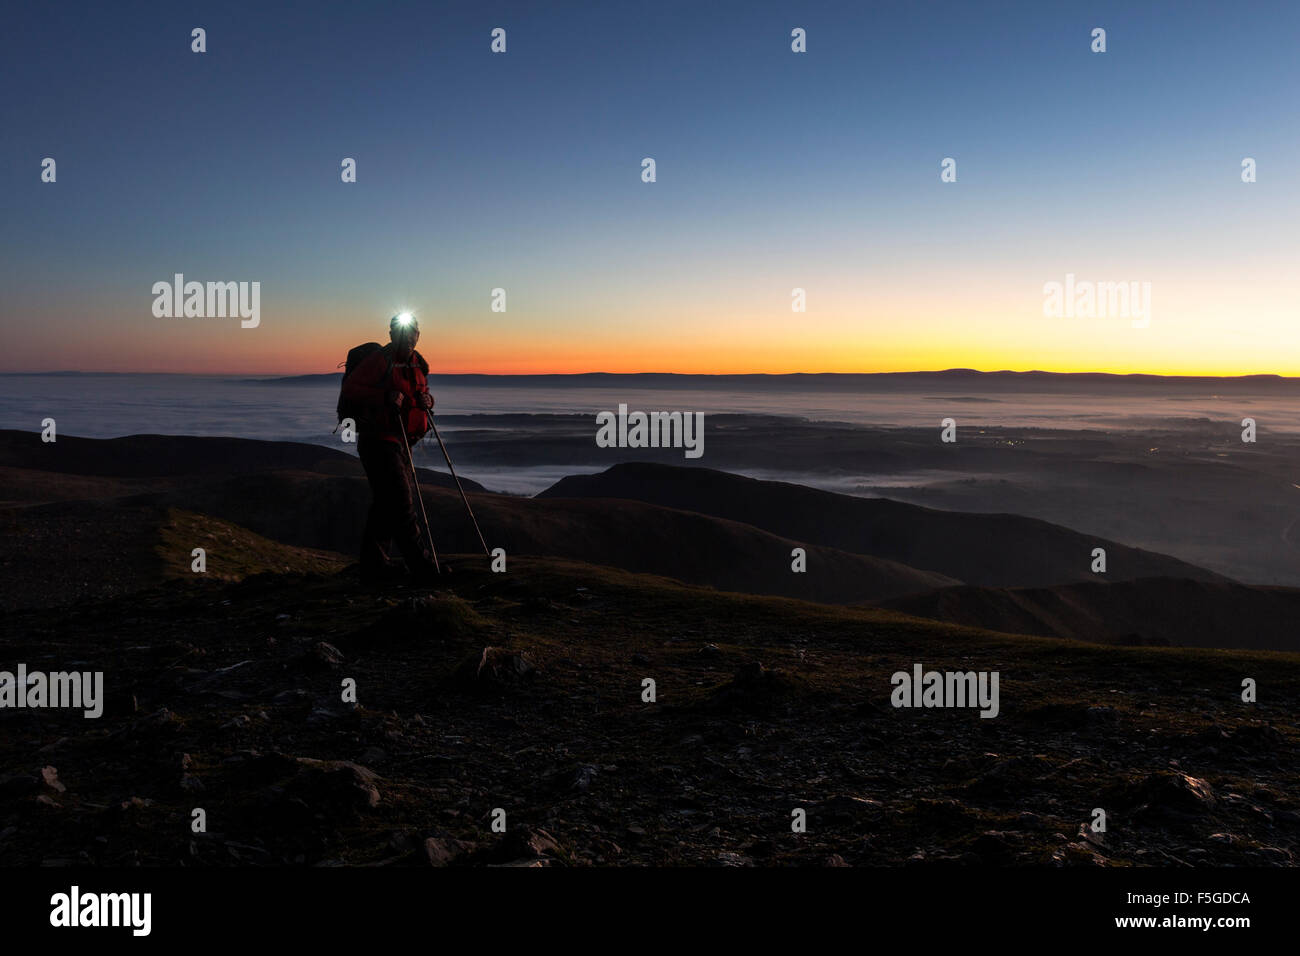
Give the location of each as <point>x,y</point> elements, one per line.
<point>775,170</point>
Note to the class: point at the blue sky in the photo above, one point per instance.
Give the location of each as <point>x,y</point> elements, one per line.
<point>774,170</point>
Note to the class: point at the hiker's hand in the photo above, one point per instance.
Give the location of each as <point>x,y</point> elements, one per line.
<point>396,399</point>
<point>425,400</point>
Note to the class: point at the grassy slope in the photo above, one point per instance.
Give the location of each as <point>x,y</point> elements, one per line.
<point>232,553</point>
<point>78,551</point>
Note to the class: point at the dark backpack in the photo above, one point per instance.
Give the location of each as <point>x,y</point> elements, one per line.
<point>355,357</point>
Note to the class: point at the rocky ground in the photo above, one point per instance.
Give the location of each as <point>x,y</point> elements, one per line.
<point>523,692</point>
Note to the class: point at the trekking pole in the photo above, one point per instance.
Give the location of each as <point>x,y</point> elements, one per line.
<point>419,497</point>
<point>462,490</point>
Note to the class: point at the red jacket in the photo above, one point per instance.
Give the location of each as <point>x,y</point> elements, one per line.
<point>368,387</point>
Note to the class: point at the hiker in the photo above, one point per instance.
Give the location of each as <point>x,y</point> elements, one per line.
<point>391,382</point>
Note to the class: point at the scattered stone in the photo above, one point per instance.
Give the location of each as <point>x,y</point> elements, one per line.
<point>525,862</point>
<point>344,780</point>
<point>1009,777</point>
<point>847,808</point>
<point>995,846</point>
<point>1170,793</point>
<point>757,689</point>
<point>1098,840</point>
<point>327,654</point>
<point>523,844</point>
<point>496,666</point>
<point>298,790</point>
<point>445,851</point>
<point>1076,854</point>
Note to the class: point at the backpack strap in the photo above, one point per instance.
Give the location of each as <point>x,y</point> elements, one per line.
<point>388,370</point>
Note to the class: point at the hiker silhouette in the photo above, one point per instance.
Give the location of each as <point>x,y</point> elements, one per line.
<point>385,391</point>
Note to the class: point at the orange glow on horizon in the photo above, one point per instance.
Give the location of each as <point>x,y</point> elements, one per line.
<point>902,336</point>
<point>754,361</point>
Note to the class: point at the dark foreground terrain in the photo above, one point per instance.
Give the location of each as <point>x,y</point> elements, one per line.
<point>523,691</point>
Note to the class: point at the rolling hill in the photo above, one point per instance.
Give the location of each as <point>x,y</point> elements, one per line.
<point>64,543</point>
<point>1151,611</point>
<point>997,550</point>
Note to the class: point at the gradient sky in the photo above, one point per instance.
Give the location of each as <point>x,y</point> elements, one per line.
<point>775,170</point>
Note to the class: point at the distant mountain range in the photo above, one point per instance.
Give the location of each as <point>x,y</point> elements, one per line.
<point>963,378</point>
<point>833,381</point>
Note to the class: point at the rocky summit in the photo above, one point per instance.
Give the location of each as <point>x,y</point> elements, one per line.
<point>564,714</point>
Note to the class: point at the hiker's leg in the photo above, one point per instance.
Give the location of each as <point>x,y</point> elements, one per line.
<point>377,537</point>
<point>408,521</point>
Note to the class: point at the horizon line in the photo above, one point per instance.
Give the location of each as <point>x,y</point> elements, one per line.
<point>270,376</point>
